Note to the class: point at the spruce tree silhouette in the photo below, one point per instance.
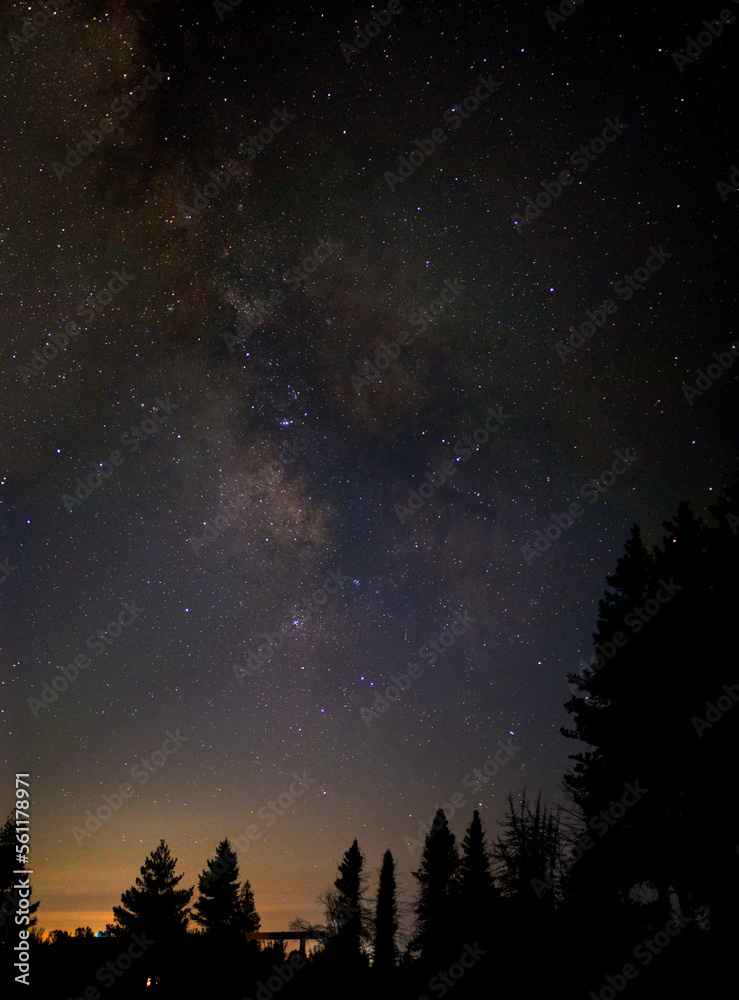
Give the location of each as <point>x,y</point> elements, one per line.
<point>346,944</point>
<point>248,919</point>
<point>217,908</point>
<point>435,924</point>
<point>639,711</point>
<point>226,913</point>
<point>612,714</point>
<point>606,687</point>
<point>677,674</point>
<point>386,916</point>
<point>476,896</point>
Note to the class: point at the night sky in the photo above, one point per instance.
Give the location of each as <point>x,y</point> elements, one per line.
<point>260,435</point>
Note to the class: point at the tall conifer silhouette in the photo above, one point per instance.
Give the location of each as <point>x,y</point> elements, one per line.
<point>154,904</point>
<point>386,915</point>
<point>435,917</point>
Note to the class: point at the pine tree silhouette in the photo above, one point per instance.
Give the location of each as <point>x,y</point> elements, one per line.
<point>477,897</point>
<point>248,919</point>
<point>346,945</point>
<point>435,925</point>
<point>614,717</point>
<point>639,712</point>
<point>217,908</point>
<point>154,904</point>
<point>606,687</point>
<point>386,916</point>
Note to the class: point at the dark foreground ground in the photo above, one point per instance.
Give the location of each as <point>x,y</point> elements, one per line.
<point>592,963</point>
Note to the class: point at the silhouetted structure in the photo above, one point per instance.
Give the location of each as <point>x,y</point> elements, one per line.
<point>302,936</point>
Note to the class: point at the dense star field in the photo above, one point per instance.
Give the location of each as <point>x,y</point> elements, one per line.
<point>364,356</point>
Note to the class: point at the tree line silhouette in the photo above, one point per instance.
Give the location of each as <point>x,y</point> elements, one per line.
<point>647,848</point>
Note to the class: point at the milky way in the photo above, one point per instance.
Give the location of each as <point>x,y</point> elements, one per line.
<point>285,351</point>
